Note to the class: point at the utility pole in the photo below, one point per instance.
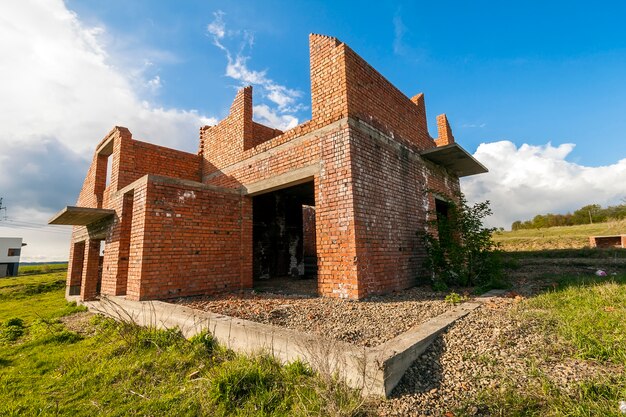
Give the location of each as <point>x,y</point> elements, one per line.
<point>2,208</point>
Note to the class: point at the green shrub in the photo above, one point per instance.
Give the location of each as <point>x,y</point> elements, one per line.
<point>15,321</point>
<point>298,369</point>
<point>462,251</point>
<point>12,329</point>
<point>64,336</point>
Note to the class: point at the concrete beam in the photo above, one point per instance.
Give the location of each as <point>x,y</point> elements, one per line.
<point>288,179</point>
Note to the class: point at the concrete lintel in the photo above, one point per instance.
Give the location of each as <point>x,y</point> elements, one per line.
<point>175,181</point>
<point>288,179</point>
<point>190,183</point>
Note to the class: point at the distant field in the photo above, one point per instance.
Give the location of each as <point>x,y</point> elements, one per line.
<point>565,237</point>
<point>42,268</point>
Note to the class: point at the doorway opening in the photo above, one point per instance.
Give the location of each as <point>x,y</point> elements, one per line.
<point>442,209</point>
<point>284,240</point>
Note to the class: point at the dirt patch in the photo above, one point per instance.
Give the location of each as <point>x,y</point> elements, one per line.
<point>79,323</point>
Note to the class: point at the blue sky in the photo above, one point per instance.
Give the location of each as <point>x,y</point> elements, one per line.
<point>528,72</point>
<point>535,90</point>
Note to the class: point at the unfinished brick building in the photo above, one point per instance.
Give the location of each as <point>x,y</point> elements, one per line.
<point>340,197</point>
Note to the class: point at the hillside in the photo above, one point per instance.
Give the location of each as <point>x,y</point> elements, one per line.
<point>563,237</point>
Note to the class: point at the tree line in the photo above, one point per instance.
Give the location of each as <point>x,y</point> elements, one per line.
<point>589,214</point>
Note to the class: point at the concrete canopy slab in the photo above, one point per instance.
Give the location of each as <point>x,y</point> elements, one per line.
<point>455,159</point>
<point>80,216</point>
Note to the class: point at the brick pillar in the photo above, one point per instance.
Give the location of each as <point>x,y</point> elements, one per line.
<point>443,129</point>
<point>88,288</point>
<point>75,268</point>
<point>124,244</point>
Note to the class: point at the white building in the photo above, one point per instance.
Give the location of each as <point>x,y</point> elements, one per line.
<point>10,251</point>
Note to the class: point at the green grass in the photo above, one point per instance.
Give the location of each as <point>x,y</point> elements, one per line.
<point>590,313</point>
<point>32,297</point>
<point>119,369</point>
<point>42,268</point>
<point>583,253</point>
<point>589,316</point>
<point>564,237</point>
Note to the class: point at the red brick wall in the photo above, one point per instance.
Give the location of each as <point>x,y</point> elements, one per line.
<point>138,234</point>
<point>260,134</point>
<point>392,199</point>
<point>335,236</point>
<point>159,160</point>
<point>376,101</point>
<point>130,161</point>
<point>194,242</point>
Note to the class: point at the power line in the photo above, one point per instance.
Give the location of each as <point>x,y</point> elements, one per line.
<point>25,223</point>
<point>36,229</point>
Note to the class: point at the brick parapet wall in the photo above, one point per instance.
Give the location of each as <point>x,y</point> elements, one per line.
<point>445,136</point>
<point>342,84</point>
<point>131,160</point>
<point>378,102</point>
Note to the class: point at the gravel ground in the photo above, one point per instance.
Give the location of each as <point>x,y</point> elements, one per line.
<point>364,323</point>
<point>491,348</point>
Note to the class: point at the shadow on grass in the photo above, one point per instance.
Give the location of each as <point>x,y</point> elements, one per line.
<point>568,281</point>
<point>586,253</point>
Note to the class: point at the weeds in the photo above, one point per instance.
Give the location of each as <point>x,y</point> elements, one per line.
<point>590,313</point>
<point>542,397</point>
<point>455,298</point>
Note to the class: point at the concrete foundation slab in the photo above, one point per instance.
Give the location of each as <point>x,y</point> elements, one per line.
<point>376,371</point>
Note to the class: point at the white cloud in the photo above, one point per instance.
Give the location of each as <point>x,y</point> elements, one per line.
<point>399,30</point>
<point>61,94</point>
<point>217,27</point>
<point>62,84</point>
<point>237,68</point>
<point>269,117</point>
<point>474,125</point>
<point>529,180</point>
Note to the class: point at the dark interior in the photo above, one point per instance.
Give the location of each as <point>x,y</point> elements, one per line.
<point>284,234</point>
